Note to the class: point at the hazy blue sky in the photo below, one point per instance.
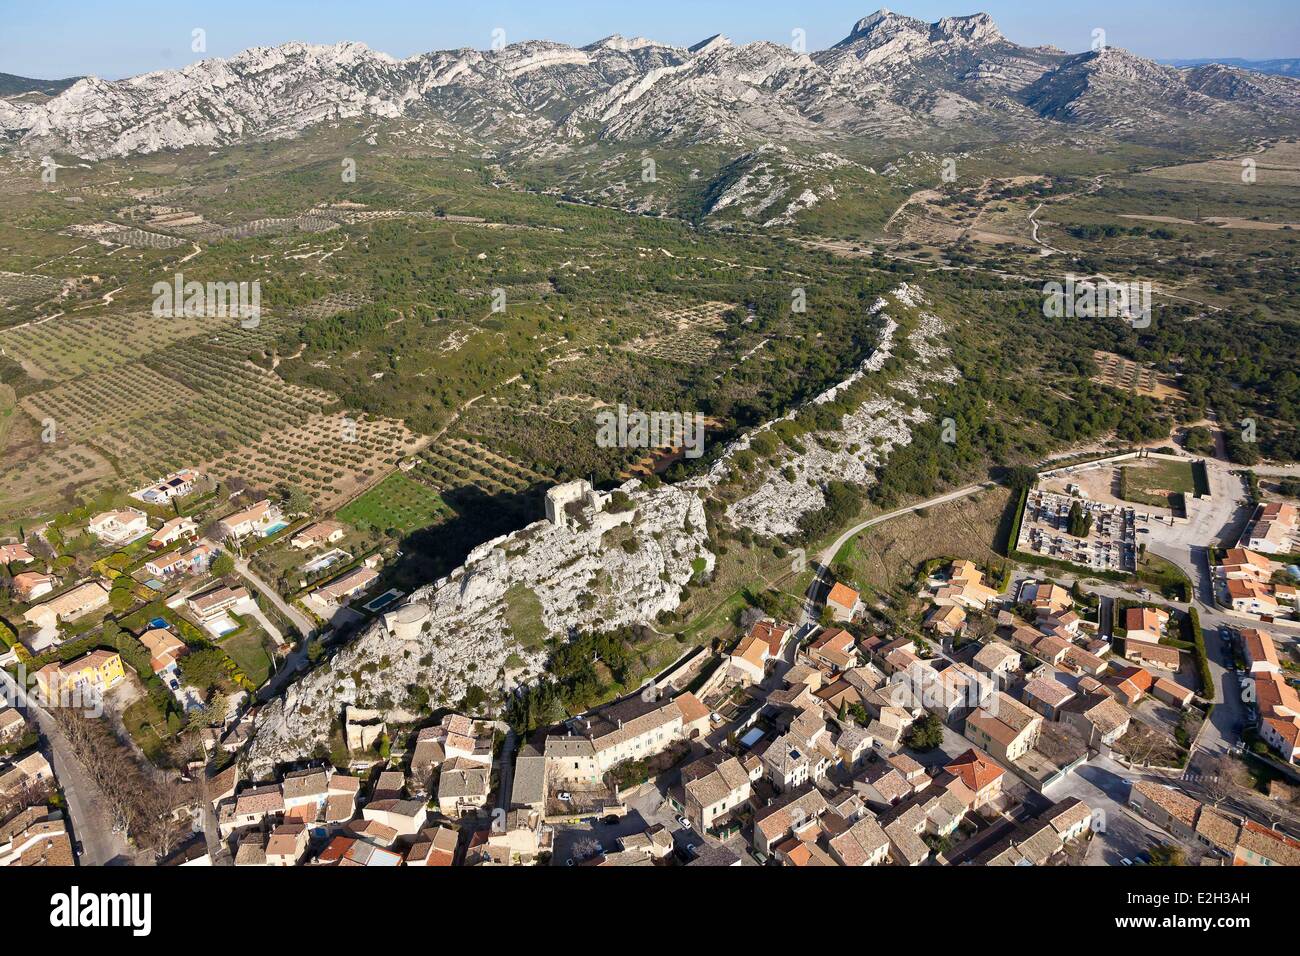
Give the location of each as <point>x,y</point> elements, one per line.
<point>50,38</point>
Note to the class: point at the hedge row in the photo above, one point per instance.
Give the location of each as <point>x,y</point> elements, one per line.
<point>1197,640</point>
<point>10,639</point>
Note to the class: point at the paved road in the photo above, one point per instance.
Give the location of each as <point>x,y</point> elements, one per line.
<point>88,809</point>
<point>260,616</point>
<point>1277,471</point>
<point>821,585</point>
<point>294,662</point>
<point>1243,802</point>
<point>217,849</point>
<point>294,616</point>
<point>646,807</point>
<point>1104,785</point>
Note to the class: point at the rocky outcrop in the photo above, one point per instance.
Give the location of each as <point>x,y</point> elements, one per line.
<point>792,485</point>
<point>595,567</point>
<point>482,624</point>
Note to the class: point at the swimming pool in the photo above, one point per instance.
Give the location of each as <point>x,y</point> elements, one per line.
<point>221,626</point>
<point>272,529</point>
<point>384,600</point>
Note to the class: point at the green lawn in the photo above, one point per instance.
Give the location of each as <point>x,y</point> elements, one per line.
<point>1165,576</point>
<point>248,650</point>
<point>147,728</point>
<point>396,502</point>
<point>1154,484</point>
<point>524,616</point>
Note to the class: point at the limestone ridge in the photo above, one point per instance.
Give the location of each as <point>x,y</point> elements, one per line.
<point>465,618</point>
<point>865,437</point>
<point>462,619</point>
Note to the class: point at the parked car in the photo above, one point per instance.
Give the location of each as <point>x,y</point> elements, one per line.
<point>684,822</point>
<point>564,796</point>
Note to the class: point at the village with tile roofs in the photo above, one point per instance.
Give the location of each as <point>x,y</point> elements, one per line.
<point>1024,717</point>
<point>1045,708</point>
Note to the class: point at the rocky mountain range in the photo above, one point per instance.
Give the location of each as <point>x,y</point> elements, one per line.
<point>892,76</point>
<point>1289,66</point>
<point>11,85</point>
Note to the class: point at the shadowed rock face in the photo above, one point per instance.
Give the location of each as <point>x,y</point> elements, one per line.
<point>464,617</point>
<point>892,75</point>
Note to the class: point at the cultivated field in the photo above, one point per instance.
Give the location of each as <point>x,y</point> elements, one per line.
<point>687,335</point>
<point>457,463</point>
<point>330,457</point>
<point>16,287</point>
<point>1279,165</point>
<point>73,345</point>
<point>32,484</point>
<point>1119,372</point>
<point>397,503</point>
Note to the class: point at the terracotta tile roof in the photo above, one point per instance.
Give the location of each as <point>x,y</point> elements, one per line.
<point>843,596</point>
<point>994,655</point>
<point>1171,688</point>
<point>1174,802</point>
<point>834,639</point>
<point>691,708</point>
<point>778,818</point>
<point>771,633</point>
<point>260,800</point>
<point>859,842</point>
<point>975,769</point>
<point>1259,646</point>
<point>752,650</point>
<point>1048,690</point>
<point>952,616</point>
<point>1219,828</point>
<point>1067,814</point>
<point>1270,844</point>
<point>304,783</point>
<point>1107,715</point>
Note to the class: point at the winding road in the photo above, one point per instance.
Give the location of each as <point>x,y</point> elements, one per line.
<point>820,585</point>
<point>291,614</point>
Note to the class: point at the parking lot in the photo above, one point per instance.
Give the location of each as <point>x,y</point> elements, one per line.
<point>1120,833</point>
<point>645,808</point>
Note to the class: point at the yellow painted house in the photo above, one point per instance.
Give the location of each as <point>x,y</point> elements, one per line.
<point>99,671</point>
